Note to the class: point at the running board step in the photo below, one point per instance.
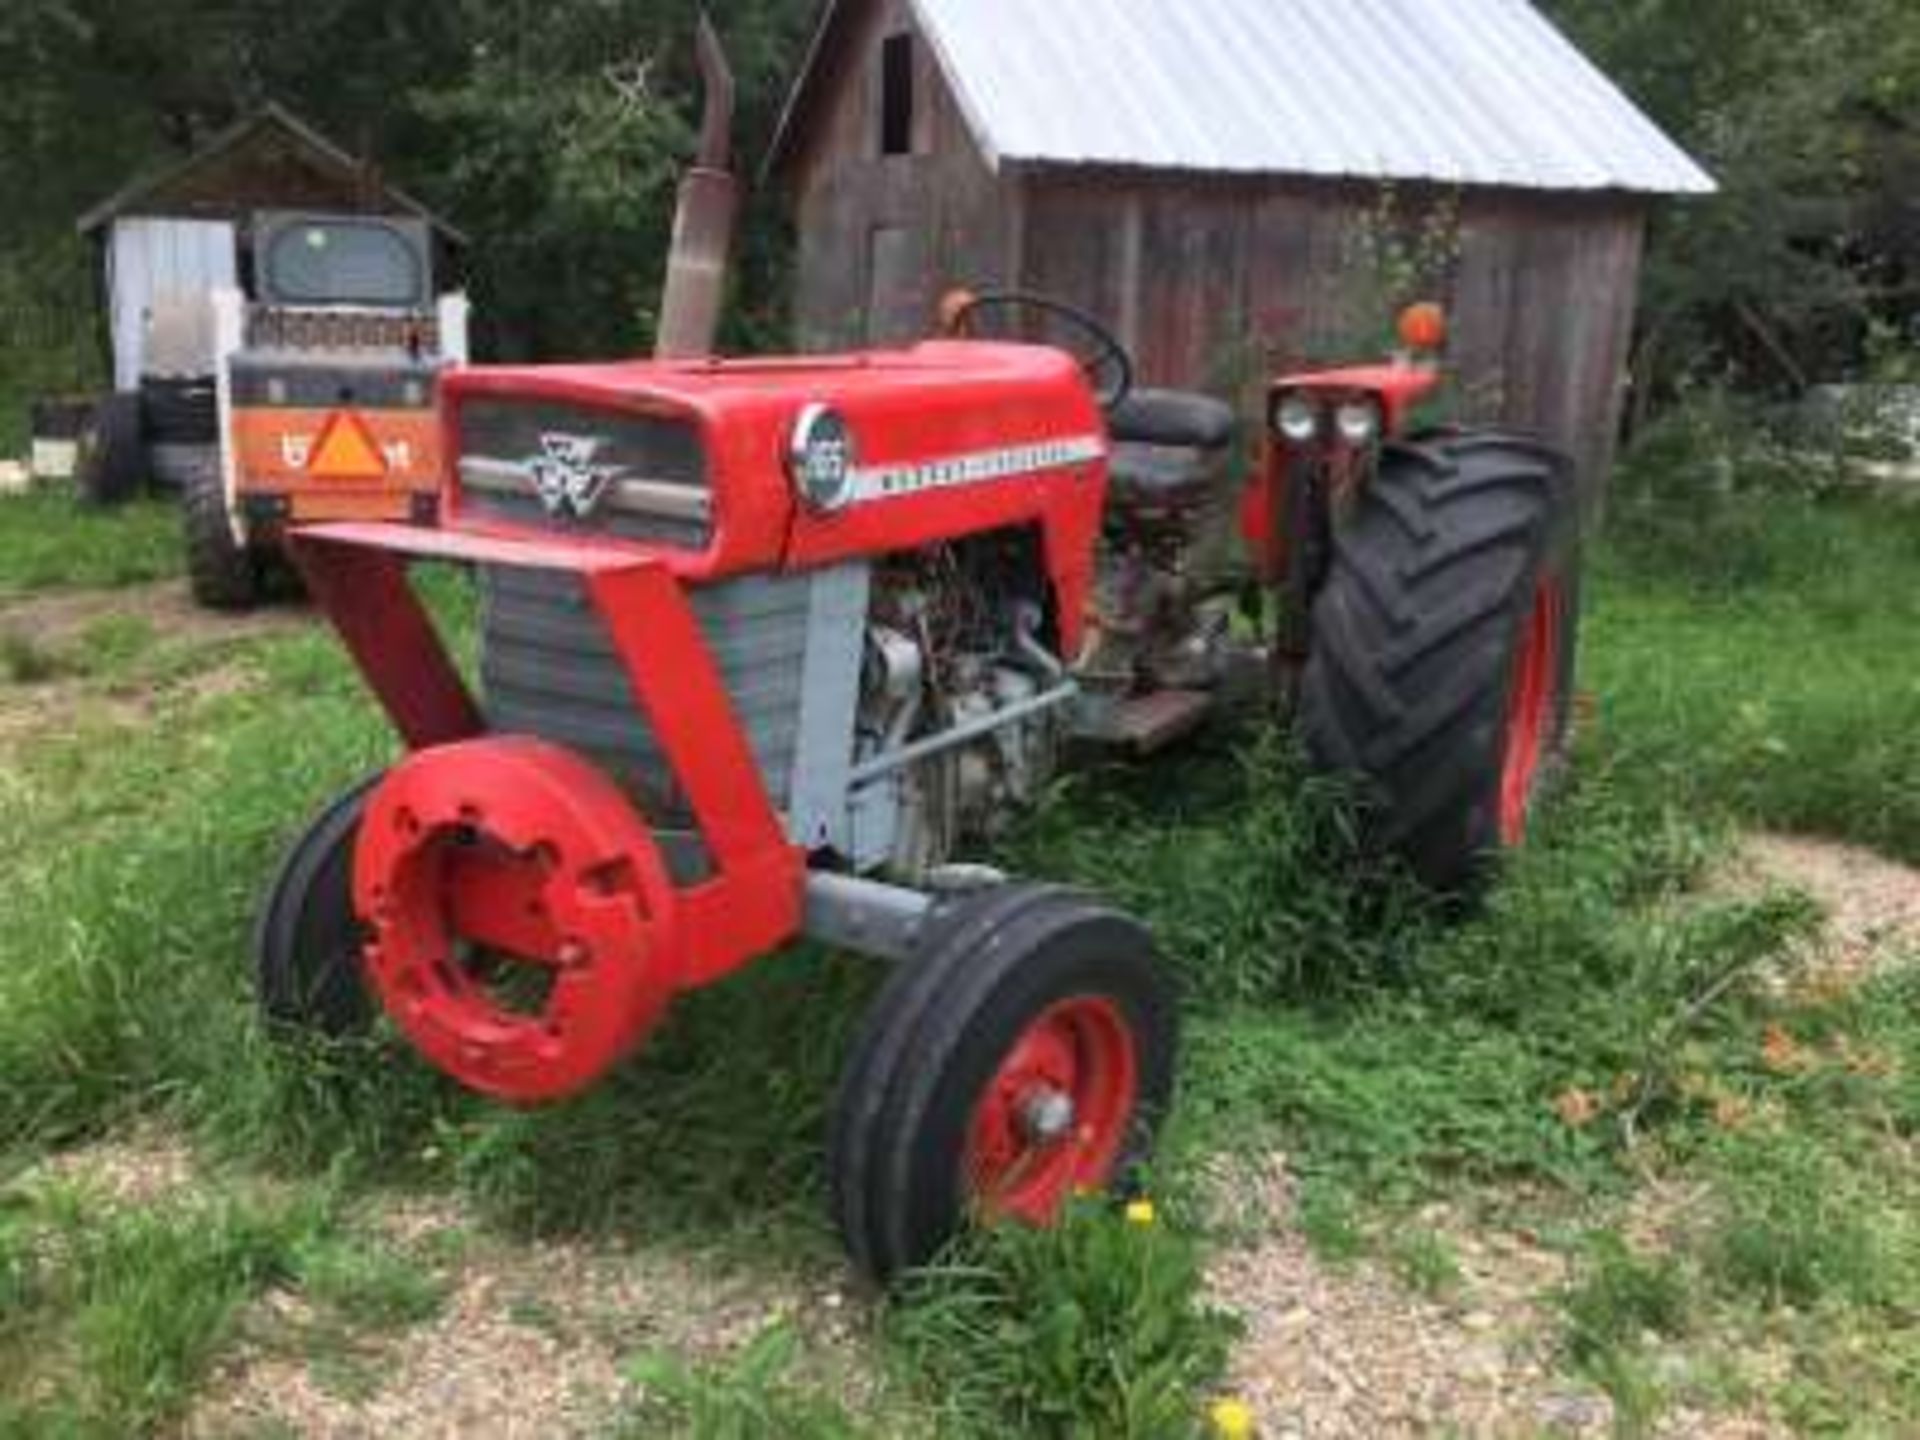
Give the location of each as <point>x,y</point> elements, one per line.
<point>1146,724</point>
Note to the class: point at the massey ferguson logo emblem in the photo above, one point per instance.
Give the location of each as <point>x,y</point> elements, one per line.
<point>570,485</point>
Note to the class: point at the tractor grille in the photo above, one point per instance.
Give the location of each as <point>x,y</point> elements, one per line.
<point>642,477</point>
<point>549,669</point>
<point>285,327</point>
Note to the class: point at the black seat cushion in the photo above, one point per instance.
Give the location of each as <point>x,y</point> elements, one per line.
<point>1173,418</point>
<point>1150,479</point>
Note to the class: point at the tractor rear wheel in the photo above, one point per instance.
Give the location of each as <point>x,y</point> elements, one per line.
<point>224,574</point>
<point>307,944</point>
<point>1441,666</point>
<point>1024,1055</point>
<point>112,464</point>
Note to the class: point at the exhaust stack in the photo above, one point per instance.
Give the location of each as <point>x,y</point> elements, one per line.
<point>703,226</point>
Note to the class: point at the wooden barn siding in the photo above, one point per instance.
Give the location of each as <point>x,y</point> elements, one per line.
<point>962,225</point>
<point>1213,282</point>
<point>1217,284</point>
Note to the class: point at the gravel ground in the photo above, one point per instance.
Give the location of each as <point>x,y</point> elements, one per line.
<point>1872,903</point>
<point>532,1341</point>
<point>1349,1352</point>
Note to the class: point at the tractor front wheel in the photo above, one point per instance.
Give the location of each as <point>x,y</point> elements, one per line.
<point>307,947</point>
<point>224,574</point>
<point>1443,646</point>
<point>1023,1056</point>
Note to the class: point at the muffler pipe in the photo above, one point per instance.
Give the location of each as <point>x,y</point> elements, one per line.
<point>703,226</point>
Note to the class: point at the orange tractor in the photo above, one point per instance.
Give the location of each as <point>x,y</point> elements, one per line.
<point>309,397</point>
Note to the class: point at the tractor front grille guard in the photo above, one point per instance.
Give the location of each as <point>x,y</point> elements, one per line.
<point>481,845</point>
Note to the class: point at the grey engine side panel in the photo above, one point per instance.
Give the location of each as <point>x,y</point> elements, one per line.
<point>788,649</point>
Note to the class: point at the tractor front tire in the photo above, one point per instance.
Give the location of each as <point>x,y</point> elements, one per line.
<point>1024,1055</point>
<point>307,943</point>
<point>112,465</point>
<point>223,573</point>
<point>1442,660</point>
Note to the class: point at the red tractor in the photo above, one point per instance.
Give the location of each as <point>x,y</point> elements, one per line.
<point>767,645</point>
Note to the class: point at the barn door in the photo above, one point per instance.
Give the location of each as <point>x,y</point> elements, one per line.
<point>152,259</point>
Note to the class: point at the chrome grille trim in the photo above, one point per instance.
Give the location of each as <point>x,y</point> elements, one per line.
<point>671,500</point>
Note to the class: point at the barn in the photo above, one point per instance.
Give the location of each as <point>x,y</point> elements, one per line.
<point>1237,186</point>
<point>186,229</point>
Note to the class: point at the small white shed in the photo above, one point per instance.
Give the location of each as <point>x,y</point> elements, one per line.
<point>187,230</point>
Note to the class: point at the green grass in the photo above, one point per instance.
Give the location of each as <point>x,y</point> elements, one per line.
<point>1760,654</point>
<point>49,543</point>
<point>1745,674</point>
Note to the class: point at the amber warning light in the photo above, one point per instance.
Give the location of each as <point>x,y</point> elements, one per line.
<point>1423,328</point>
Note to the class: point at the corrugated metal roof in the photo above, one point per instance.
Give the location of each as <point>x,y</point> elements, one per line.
<point>1470,92</point>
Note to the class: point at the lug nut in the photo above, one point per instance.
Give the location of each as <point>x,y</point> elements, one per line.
<point>1047,1115</point>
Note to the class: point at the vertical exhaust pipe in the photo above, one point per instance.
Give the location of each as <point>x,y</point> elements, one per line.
<point>703,226</point>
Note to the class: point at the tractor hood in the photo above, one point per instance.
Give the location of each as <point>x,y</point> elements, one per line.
<point>725,467</point>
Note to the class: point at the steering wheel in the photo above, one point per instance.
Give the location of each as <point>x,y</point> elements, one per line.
<point>1103,359</point>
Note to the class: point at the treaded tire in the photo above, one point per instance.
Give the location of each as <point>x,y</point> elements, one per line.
<point>223,574</point>
<point>1452,593</point>
<point>307,941</point>
<point>987,968</point>
<point>112,465</point>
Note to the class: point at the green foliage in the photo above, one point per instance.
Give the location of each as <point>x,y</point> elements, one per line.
<point>1425,1263</point>
<point>49,543</point>
<point>1798,108</point>
<point>367,1286</point>
<point>1749,642</point>
<point>1095,1330</point>
<point>1201,842</point>
<point>143,1300</point>
<point>1620,1297</point>
<point>1798,1228</point>
<point>749,1397</point>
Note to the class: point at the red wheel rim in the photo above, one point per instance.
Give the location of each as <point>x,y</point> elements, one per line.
<point>1054,1117</point>
<point>1531,710</point>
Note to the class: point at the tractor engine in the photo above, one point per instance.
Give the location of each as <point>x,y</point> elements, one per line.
<point>958,639</point>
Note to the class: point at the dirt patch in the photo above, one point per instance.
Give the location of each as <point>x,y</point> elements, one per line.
<point>56,619</point>
<point>61,707</point>
<point>53,630</point>
<point>1872,903</point>
<point>132,1170</point>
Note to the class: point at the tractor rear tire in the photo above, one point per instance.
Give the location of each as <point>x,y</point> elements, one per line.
<point>1016,997</point>
<point>1442,660</point>
<point>112,465</point>
<point>307,943</point>
<point>224,574</point>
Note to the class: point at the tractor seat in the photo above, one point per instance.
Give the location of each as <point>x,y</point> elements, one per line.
<point>1173,418</point>
<point>1168,445</point>
<point>1147,478</point>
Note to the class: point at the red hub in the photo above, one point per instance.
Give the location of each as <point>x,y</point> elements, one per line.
<point>1054,1117</point>
<point>1532,712</point>
<point>524,925</point>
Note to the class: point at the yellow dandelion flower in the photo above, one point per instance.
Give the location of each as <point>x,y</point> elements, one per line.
<point>1141,1212</point>
<point>1232,1419</point>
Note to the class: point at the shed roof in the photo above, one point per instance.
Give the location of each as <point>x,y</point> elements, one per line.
<point>149,194</point>
<point>1463,92</point>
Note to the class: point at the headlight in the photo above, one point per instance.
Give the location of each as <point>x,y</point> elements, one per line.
<point>1297,419</point>
<point>1358,422</point>
<point>820,458</point>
